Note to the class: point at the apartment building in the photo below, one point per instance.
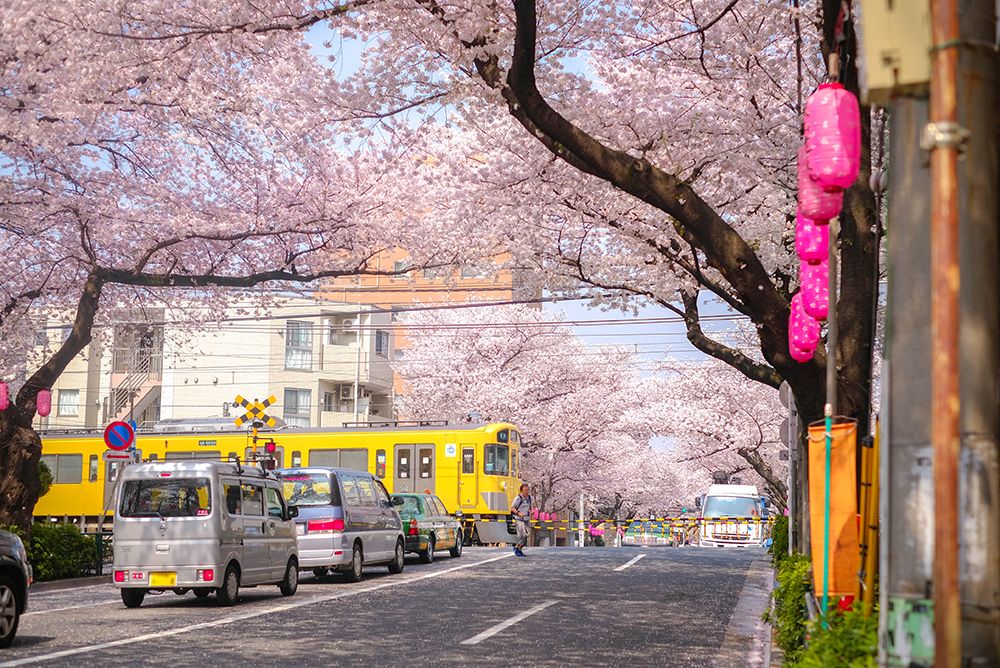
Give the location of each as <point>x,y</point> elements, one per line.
<point>326,363</point>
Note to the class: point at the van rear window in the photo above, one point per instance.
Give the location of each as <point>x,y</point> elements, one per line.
<point>167,497</point>
<point>309,489</point>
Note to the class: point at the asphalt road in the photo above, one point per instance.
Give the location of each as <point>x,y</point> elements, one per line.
<point>561,606</point>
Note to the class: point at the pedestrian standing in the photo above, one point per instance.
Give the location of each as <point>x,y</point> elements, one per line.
<point>521,508</point>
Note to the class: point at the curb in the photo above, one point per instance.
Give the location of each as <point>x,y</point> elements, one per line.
<point>71,583</point>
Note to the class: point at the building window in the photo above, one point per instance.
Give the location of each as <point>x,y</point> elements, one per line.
<point>41,337</point>
<point>297,407</point>
<point>69,403</point>
<point>329,402</point>
<point>66,469</point>
<point>382,343</point>
<point>473,271</point>
<point>298,345</point>
<point>431,272</point>
<point>394,312</point>
<point>399,267</point>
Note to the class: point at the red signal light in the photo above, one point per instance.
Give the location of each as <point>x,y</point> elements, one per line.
<point>413,531</point>
<point>270,447</point>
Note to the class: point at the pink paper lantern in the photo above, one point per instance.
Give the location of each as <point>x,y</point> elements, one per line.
<point>4,396</point>
<point>815,282</point>
<point>833,137</point>
<point>803,330</point>
<point>812,239</point>
<point>814,202</point>
<point>43,402</point>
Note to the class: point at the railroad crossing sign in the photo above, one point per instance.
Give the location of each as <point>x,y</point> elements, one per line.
<point>255,411</point>
<point>119,435</point>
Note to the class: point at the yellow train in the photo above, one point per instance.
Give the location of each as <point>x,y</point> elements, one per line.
<point>473,468</point>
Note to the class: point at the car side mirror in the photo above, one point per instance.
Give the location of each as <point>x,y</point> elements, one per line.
<point>291,512</point>
<point>397,501</point>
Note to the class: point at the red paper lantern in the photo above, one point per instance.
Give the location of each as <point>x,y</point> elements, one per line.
<point>814,202</point>
<point>815,282</point>
<point>812,239</point>
<point>43,402</point>
<point>803,330</point>
<point>832,126</point>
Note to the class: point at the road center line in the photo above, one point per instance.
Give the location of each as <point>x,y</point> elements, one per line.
<point>493,630</point>
<point>629,563</point>
<point>166,633</point>
<point>68,607</point>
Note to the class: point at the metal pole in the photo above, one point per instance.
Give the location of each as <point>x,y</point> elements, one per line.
<point>357,365</point>
<point>830,409</point>
<point>944,146</point>
<point>580,523</point>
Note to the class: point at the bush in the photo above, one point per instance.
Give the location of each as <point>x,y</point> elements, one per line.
<point>44,478</point>
<point>779,541</point>
<point>788,615</point>
<point>58,551</point>
<point>851,640</point>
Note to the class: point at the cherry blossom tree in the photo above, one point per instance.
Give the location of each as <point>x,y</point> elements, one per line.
<point>581,409</point>
<point>728,423</point>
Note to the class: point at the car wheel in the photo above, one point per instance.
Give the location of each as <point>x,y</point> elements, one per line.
<point>229,592</point>
<point>321,572</point>
<point>456,551</point>
<point>132,598</point>
<point>9,616</point>
<point>396,565</point>
<point>427,556</point>
<point>202,592</point>
<point>356,570</point>
<point>291,581</point>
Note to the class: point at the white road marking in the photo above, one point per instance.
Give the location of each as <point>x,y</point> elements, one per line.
<point>493,630</point>
<point>629,563</point>
<point>166,633</point>
<point>68,607</point>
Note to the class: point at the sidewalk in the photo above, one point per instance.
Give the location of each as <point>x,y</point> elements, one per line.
<point>71,583</point>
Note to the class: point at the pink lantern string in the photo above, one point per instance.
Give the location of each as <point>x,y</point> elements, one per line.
<point>43,402</point>
<point>815,282</point>
<point>812,239</point>
<point>833,137</point>
<point>800,355</point>
<point>803,330</point>
<point>814,202</point>
<point>4,396</point>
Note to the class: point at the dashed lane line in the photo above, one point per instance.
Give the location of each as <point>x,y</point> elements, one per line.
<point>630,562</point>
<point>68,607</point>
<point>270,610</point>
<point>506,624</point>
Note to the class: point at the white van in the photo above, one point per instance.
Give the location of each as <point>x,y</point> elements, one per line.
<point>731,515</point>
<point>202,526</point>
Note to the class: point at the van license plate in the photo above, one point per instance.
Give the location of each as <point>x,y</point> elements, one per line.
<point>162,579</point>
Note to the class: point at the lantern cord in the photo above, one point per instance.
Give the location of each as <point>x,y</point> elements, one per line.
<point>798,64</point>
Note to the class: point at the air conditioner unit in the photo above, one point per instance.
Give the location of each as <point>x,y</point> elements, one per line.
<point>347,324</point>
<point>346,391</point>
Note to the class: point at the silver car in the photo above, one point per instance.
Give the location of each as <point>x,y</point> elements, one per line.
<point>202,526</point>
<point>346,521</point>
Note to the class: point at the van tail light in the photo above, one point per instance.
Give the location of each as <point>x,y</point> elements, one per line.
<point>121,576</point>
<point>413,528</point>
<point>328,525</point>
<point>205,575</point>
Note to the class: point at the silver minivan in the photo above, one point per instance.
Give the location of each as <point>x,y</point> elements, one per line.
<point>346,521</point>
<point>202,526</point>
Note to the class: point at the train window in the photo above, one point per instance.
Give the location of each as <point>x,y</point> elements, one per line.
<point>497,460</point>
<point>426,462</point>
<point>324,458</point>
<point>354,458</point>
<point>502,435</point>
<point>514,436</point>
<point>296,459</point>
<point>468,460</point>
<point>403,463</point>
<point>153,457</point>
<point>211,455</point>
<point>92,475</point>
<point>66,469</point>
<point>380,463</point>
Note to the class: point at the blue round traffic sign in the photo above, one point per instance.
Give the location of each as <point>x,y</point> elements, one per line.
<point>119,435</point>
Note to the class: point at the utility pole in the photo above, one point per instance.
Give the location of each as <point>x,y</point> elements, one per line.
<point>357,364</point>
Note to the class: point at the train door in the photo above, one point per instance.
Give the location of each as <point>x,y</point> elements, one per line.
<point>403,478</point>
<point>468,481</point>
<point>424,479</point>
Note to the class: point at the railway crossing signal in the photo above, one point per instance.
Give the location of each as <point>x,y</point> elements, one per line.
<point>255,412</point>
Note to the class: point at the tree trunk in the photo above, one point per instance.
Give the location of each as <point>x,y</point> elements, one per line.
<point>20,451</point>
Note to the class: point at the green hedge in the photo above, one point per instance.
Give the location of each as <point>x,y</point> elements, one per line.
<point>851,641</point>
<point>59,551</point>
<point>788,616</point>
<point>779,541</point>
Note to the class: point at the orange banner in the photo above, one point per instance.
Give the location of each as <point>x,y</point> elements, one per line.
<point>845,557</point>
